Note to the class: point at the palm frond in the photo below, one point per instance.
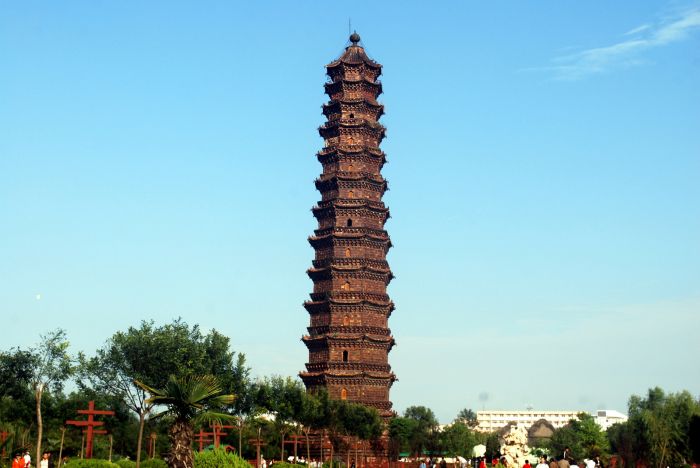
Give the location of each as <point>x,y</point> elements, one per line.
<point>151,390</point>
<point>213,417</point>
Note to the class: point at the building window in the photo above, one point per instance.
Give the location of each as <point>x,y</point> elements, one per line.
<point>347,252</point>
<point>351,194</point>
<point>344,394</point>
<point>345,356</point>
<point>345,286</point>
<point>346,320</point>
<point>349,222</point>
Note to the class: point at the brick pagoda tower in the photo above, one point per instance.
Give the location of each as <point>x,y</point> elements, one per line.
<point>349,339</point>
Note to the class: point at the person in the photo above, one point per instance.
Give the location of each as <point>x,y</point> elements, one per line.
<point>574,464</point>
<point>27,459</point>
<point>422,464</point>
<point>588,463</point>
<point>443,463</point>
<point>563,463</point>
<point>263,462</point>
<point>18,462</point>
<point>44,463</point>
<point>567,454</point>
<point>598,463</point>
<point>553,463</point>
<point>494,462</point>
<point>543,462</point>
<point>482,462</point>
<point>527,464</point>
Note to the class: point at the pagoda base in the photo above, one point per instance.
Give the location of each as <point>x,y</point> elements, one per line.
<point>347,450</point>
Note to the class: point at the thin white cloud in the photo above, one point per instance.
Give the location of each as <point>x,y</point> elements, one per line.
<point>637,30</point>
<point>628,52</point>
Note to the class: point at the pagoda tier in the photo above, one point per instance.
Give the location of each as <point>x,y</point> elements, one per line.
<point>348,336</point>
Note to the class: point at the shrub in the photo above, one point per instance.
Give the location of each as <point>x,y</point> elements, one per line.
<point>219,459</point>
<point>91,463</point>
<point>124,463</point>
<point>153,463</point>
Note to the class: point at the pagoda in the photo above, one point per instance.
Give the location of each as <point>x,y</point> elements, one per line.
<point>348,338</point>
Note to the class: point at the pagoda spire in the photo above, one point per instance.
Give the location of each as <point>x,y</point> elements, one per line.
<point>348,338</point>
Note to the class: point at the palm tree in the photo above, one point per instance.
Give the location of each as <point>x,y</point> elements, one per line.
<point>189,400</point>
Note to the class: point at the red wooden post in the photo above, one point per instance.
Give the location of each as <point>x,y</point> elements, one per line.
<point>218,435</point>
<point>294,440</point>
<point>202,437</point>
<point>90,424</point>
<point>257,443</point>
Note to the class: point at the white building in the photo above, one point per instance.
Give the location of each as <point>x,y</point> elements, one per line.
<point>489,421</point>
<point>606,418</point>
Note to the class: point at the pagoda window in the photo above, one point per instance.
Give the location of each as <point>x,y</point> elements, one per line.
<point>345,356</point>
<point>347,252</point>
<point>346,320</point>
<point>352,116</point>
<point>345,286</point>
<point>349,223</point>
<point>344,394</point>
<point>351,194</point>
<point>350,167</point>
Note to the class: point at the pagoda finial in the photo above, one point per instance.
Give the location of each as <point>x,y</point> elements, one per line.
<point>354,38</point>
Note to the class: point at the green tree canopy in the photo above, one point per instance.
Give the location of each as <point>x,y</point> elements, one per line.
<point>152,354</point>
<point>583,436</point>
<point>658,430</point>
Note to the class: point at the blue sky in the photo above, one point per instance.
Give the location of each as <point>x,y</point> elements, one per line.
<point>157,160</point>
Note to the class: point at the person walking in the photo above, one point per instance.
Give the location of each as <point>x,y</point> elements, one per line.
<point>44,463</point>
<point>543,462</point>
<point>18,461</point>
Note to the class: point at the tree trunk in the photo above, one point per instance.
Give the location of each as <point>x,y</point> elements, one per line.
<point>282,449</point>
<point>240,436</point>
<point>39,422</point>
<point>181,437</point>
<point>142,422</point>
<point>60,450</point>
<point>308,449</point>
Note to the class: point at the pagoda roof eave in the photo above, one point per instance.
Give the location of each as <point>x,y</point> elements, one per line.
<point>329,300</point>
<point>339,268</point>
<point>349,337</point>
<point>349,100</point>
<point>340,61</point>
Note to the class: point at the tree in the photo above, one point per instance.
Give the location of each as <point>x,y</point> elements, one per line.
<point>583,436</point>
<point>310,417</point>
<point>188,399</point>
<point>659,427</point>
<point>424,431</point>
<point>468,417</point>
<point>51,367</point>
<point>401,431</point>
<point>281,396</point>
<point>458,439</point>
<point>151,355</point>
<point>360,421</point>
<point>694,437</point>
<point>16,398</point>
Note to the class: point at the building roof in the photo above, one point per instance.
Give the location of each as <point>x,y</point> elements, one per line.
<point>354,54</point>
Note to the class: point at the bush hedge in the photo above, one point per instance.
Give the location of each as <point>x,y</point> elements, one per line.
<point>219,459</point>
<point>123,463</point>
<point>91,463</point>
